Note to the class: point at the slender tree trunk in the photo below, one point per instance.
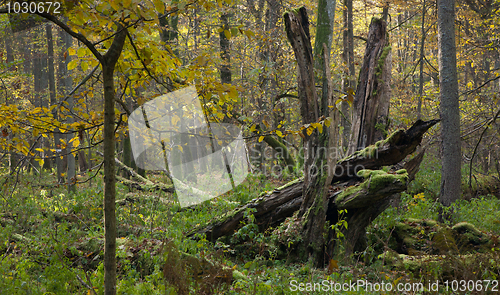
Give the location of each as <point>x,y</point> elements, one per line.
<point>44,83</point>
<point>348,83</point>
<point>450,112</point>
<point>37,88</point>
<point>108,67</point>
<point>52,91</point>
<point>62,75</point>
<point>10,58</point>
<point>225,68</point>
<point>68,83</point>
<point>109,181</point>
<point>421,81</point>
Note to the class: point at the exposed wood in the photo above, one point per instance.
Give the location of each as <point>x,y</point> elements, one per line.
<point>371,101</point>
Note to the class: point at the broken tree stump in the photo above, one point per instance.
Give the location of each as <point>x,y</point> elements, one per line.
<point>275,207</point>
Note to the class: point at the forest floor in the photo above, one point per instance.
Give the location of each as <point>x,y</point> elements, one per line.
<point>51,242</point>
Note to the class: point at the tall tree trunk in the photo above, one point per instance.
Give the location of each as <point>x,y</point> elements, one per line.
<point>225,67</point>
<point>44,83</point>
<point>421,80</point>
<point>68,83</point>
<point>348,82</point>
<point>371,102</point>
<point>62,75</point>
<point>313,209</point>
<point>37,88</point>
<point>10,58</point>
<point>108,67</point>
<point>324,35</point>
<point>450,112</point>
<point>52,95</point>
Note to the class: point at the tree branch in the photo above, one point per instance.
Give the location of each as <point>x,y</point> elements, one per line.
<point>74,34</point>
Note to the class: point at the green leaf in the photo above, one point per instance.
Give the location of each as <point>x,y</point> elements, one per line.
<point>84,65</point>
<point>159,5</point>
<point>227,34</point>
<point>126,3</point>
<point>81,52</point>
<point>234,31</point>
<point>72,65</point>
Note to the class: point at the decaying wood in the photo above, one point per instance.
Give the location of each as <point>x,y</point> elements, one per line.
<point>275,207</point>
<point>386,152</point>
<point>373,93</point>
<point>315,143</point>
<point>271,209</point>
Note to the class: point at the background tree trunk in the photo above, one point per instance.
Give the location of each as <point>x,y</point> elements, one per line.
<point>450,112</point>
<point>348,82</point>
<point>52,95</point>
<point>421,78</point>
<point>67,41</point>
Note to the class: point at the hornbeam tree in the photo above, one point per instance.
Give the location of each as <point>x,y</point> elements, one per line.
<point>114,20</point>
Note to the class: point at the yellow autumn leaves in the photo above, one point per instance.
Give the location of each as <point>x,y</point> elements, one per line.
<point>308,127</point>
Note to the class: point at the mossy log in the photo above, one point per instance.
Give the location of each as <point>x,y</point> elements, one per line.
<point>273,208</point>
<point>428,248</point>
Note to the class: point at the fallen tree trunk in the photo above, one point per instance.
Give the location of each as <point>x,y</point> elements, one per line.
<point>386,152</point>
<point>275,207</point>
<point>142,184</point>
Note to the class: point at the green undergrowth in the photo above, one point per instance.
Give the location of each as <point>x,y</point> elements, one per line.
<point>51,242</point>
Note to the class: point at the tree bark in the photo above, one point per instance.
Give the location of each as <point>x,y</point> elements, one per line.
<point>449,108</point>
<point>68,81</point>
<point>10,58</point>
<point>371,102</point>
<point>52,94</point>
<point>421,78</point>
<point>324,33</point>
<point>348,82</point>
<point>108,66</point>
<point>313,208</point>
<point>225,68</point>
<point>37,87</point>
